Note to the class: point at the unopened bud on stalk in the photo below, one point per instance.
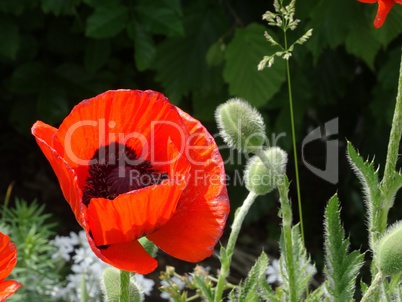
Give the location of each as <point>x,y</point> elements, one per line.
<point>389,253</point>
<point>241,126</point>
<point>261,180</point>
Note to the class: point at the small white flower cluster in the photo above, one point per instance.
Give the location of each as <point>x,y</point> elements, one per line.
<point>174,280</point>
<point>86,267</point>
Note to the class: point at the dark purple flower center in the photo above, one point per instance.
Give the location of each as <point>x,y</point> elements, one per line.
<point>116,169</point>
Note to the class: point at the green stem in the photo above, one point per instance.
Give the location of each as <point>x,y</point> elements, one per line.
<point>226,259</point>
<point>392,156</point>
<point>124,286</point>
<point>299,204</point>
<point>372,290</point>
<point>84,292</point>
<point>286,214</point>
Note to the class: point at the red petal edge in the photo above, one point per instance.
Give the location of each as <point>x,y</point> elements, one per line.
<point>201,214</point>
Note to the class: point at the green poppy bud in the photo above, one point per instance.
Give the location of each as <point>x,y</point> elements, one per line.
<point>261,180</point>
<point>389,253</point>
<point>110,285</point>
<point>241,125</point>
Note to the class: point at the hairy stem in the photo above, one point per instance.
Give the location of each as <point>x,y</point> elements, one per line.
<point>372,290</point>
<point>286,214</point>
<point>392,157</point>
<point>227,258</point>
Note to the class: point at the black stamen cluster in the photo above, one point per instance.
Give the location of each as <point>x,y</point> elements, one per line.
<point>116,169</point>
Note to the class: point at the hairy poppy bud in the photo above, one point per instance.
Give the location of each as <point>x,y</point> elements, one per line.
<point>110,284</point>
<point>261,180</point>
<point>389,253</point>
<point>241,126</point>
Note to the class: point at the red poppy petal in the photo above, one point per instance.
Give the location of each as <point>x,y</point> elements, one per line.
<point>132,215</point>
<point>127,116</point>
<point>200,217</point>
<point>128,256</point>
<point>384,6</point>
<point>8,256</point>
<point>44,135</point>
<point>7,288</point>
<point>138,213</point>
<point>398,1</point>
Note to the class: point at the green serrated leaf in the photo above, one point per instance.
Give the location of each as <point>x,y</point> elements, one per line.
<point>302,269</point>
<point>144,46</point>
<point>250,285</point>
<point>341,268</point>
<point>161,17</point>
<point>180,64</point>
<point>266,292</point>
<point>242,57</point>
<point>10,38</point>
<point>366,173</point>
<point>317,295</point>
<point>97,52</point>
<point>106,21</point>
<point>204,288</point>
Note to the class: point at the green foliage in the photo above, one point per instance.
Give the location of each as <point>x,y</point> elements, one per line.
<point>296,274</point>
<point>110,285</point>
<point>242,75</point>
<point>204,287</point>
<point>106,21</point>
<point>248,290</point>
<point>366,173</point>
<point>29,228</point>
<point>341,267</point>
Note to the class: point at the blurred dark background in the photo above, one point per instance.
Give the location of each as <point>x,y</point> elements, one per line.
<point>55,53</point>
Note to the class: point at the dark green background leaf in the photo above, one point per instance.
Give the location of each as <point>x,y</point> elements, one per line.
<point>106,21</point>
<point>242,57</point>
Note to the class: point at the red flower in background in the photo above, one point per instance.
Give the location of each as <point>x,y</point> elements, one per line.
<point>8,259</point>
<point>130,165</point>
<point>384,6</point>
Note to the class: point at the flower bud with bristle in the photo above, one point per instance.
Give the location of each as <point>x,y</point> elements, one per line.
<point>110,285</point>
<point>258,178</point>
<point>389,253</point>
<point>241,126</point>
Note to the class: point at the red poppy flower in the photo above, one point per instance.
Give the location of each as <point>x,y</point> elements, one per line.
<point>8,259</point>
<point>131,164</point>
<point>384,6</point>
